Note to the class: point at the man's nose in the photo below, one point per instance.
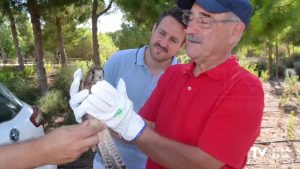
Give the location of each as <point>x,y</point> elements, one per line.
<point>192,27</point>
<point>164,42</point>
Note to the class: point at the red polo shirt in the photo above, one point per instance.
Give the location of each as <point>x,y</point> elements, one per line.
<point>219,111</point>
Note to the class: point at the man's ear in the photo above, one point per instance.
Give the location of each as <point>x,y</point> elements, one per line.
<point>237,32</point>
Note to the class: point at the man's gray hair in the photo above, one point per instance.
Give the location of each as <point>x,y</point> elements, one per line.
<point>233,16</point>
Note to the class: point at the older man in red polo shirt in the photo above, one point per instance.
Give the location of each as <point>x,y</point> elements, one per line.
<point>206,114</point>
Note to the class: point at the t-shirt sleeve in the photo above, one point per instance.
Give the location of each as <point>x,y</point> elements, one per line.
<point>234,124</point>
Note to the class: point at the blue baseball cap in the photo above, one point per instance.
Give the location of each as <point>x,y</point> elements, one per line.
<point>241,8</point>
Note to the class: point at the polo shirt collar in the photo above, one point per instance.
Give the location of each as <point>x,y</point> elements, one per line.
<point>216,73</point>
<point>140,54</point>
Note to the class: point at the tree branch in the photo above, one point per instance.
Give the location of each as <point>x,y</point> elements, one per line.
<point>106,9</point>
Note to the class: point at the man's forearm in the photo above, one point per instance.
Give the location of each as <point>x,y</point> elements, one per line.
<point>21,155</point>
<point>172,154</point>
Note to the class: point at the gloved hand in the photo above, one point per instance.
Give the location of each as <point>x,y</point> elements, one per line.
<point>113,108</point>
<point>76,96</point>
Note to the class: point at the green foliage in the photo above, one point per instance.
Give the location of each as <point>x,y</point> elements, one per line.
<point>131,36</point>
<point>276,20</point>
<point>29,71</point>
<point>64,76</point>
<point>284,99</point>
<point>54,102</point>
<point>25,34</point>
<point>293,86</point>
<point>291,126</point>
<point>290,97</point>
<point>289,61</point>
<point>183,58</point>
<point>264,76</point>
<point>6,43</point>
<point>297,68</point>
<point>106,47</point>
<point>6,75</point>
<point>79,43</point>
<point>256,66</point>
<point>49,67</point>
<point>251,68</point>
<point>22,84</point>
<point>144,12</point>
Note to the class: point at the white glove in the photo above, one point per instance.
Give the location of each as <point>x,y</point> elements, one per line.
<point>113,108</point>
<point>76,96</point>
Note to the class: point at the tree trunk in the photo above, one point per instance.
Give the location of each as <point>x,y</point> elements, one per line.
<point>60,43</point>
<point>288,50</point>
<point>277,60</point>
<point>96,58</point>
<point>293,49</point>
<point>4,56</point>
<point>269,53</point>
<point>38,45</point>
<point>15,37</point>
<point>95,16</point>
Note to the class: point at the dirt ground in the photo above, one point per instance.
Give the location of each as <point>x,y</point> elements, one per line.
<point>278,145</point>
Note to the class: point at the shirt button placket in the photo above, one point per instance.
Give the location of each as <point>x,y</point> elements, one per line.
<point>189,88</point>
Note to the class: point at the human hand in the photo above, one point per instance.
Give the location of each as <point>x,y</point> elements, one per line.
<point>67,143</point>
<point>113,108</point>
<point>77,96</point>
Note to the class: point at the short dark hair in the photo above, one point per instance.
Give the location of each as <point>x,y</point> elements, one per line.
<point>176,13</point>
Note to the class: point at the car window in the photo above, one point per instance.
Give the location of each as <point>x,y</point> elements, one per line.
<point>10,105</point>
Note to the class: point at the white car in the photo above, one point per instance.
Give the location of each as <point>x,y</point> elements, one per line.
<point>19,121</point>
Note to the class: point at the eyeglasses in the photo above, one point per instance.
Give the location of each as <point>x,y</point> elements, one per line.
<point>203,21</point>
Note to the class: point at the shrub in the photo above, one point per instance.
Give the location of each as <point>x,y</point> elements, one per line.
<point>289,61</point>
<point>264,75</point>
<point>64,76</point>
<point>297,68</point>
<point>293,86</point>
<point>22,84</point>
<point>26,89</point>
<point>251,67</point>
<point>53,103</point>
<point>281,71</point>
<point>256,67</point>
<point>6,75</point>
<point>29,71</point>
<point>262,65</point>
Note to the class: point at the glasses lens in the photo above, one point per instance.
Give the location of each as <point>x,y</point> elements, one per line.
<point>205,20</point>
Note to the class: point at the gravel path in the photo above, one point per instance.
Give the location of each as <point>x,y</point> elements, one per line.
<point>278,145</point>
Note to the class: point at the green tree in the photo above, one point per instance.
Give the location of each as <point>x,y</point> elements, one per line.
<point>97,11</point>
<point>71,12</point>
<point>269,20</point>
<point>144,12</point>
<point>34,7</point>
<point>6,44</point>
<point>80,47</point>
<point>6,8</point>
<point>131,36</point>
<point>107,47</point>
